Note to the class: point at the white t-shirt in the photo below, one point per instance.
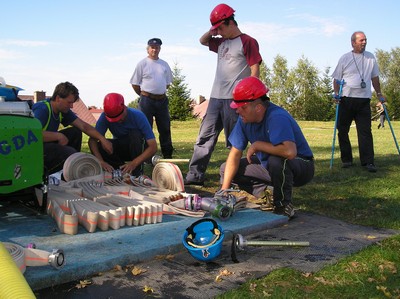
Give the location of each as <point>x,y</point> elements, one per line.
<point>235,56</point>
<point>152,76</point>
<point>353,68</point>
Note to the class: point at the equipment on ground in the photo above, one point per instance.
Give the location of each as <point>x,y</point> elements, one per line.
<point>158,159</point>
<point>203,239</point>
<point>81,165</point>
<point>221,208</point>
<point>21,148</point>
<point>341,83</point>
<point>240,243</point>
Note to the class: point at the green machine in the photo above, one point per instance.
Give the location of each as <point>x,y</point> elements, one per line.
<point>21,151</point>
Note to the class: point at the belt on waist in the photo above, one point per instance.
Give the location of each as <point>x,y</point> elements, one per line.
<point>306,158</point>
<point>153,96</point>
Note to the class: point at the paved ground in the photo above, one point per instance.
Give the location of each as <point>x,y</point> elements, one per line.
<point>168,269</point>
<point>181,276</point>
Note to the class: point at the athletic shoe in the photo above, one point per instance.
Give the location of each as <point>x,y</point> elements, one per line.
<point>193,183</point>
<point>287,211</point>
<point>347,164</point>
<point>371,168</point>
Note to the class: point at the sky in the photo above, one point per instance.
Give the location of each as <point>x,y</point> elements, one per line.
<point>96,44</point>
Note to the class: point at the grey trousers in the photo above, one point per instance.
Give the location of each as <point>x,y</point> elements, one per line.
<point>219,116</point>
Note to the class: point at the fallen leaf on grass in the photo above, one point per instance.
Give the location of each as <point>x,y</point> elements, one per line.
<point>252,287</point>
<point>137,271</point>
<point>266,294</point>
<point>83,284</point>
<point>148,290</point>
<point>222,273</point>
<point>390,266</point>
<point>117,268</point>
<point>165,257</point>
<point>323,281</point>
<point>384,291</point>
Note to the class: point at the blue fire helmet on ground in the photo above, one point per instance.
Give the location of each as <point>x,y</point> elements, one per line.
<point>203,239</point>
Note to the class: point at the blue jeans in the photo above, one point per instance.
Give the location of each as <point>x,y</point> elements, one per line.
<point>219,116</point>
<point>158,109</point>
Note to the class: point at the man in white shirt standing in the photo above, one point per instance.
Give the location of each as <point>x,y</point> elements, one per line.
<point>150,80</point>
<point>359,69</point>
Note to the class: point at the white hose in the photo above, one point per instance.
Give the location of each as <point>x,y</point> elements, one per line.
<point>169,176</point>
<point>80,165</point>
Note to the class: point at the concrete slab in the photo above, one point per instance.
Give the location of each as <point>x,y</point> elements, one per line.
<point>87,254</point>
<point>181,276</point>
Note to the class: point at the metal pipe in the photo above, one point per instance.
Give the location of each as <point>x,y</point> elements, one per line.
<point>277,243</point>
<point>341,83</point>
<point>239,243</point>
<point>391,128</point>
<point>157,159</point>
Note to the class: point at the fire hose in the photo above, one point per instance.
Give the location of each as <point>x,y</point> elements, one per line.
<point>24,257</point>
<point>240,243</point>
<point>80,165</point>
<point>168,175</point>
<point>13,261</point>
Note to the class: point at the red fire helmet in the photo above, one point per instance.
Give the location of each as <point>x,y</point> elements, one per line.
<point>219,14</point>
<point>247,90</point>
<point>114,106</point>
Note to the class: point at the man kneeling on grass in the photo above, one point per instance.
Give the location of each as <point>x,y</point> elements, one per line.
<point>279,154</point>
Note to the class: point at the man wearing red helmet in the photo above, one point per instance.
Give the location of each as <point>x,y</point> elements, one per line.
<point>238,58</point>
<point>278,155</point>
<point>133,139</point>
<point>58,145</point>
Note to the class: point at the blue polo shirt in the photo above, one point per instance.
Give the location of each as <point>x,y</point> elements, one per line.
<point>276,127</point>
<point>135,119</point>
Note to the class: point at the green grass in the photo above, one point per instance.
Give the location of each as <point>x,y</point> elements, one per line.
<point>352,195</point>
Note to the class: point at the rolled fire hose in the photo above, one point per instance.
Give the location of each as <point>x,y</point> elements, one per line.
<point>169,176</point>
<point>80,165</point>
<point>34,257</point>
<point>12,281</point>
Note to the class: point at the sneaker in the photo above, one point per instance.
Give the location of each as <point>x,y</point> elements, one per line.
<point>371,168</point>
<point>347,164</point>
<point>287,211</point>
<point>193,183</point>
